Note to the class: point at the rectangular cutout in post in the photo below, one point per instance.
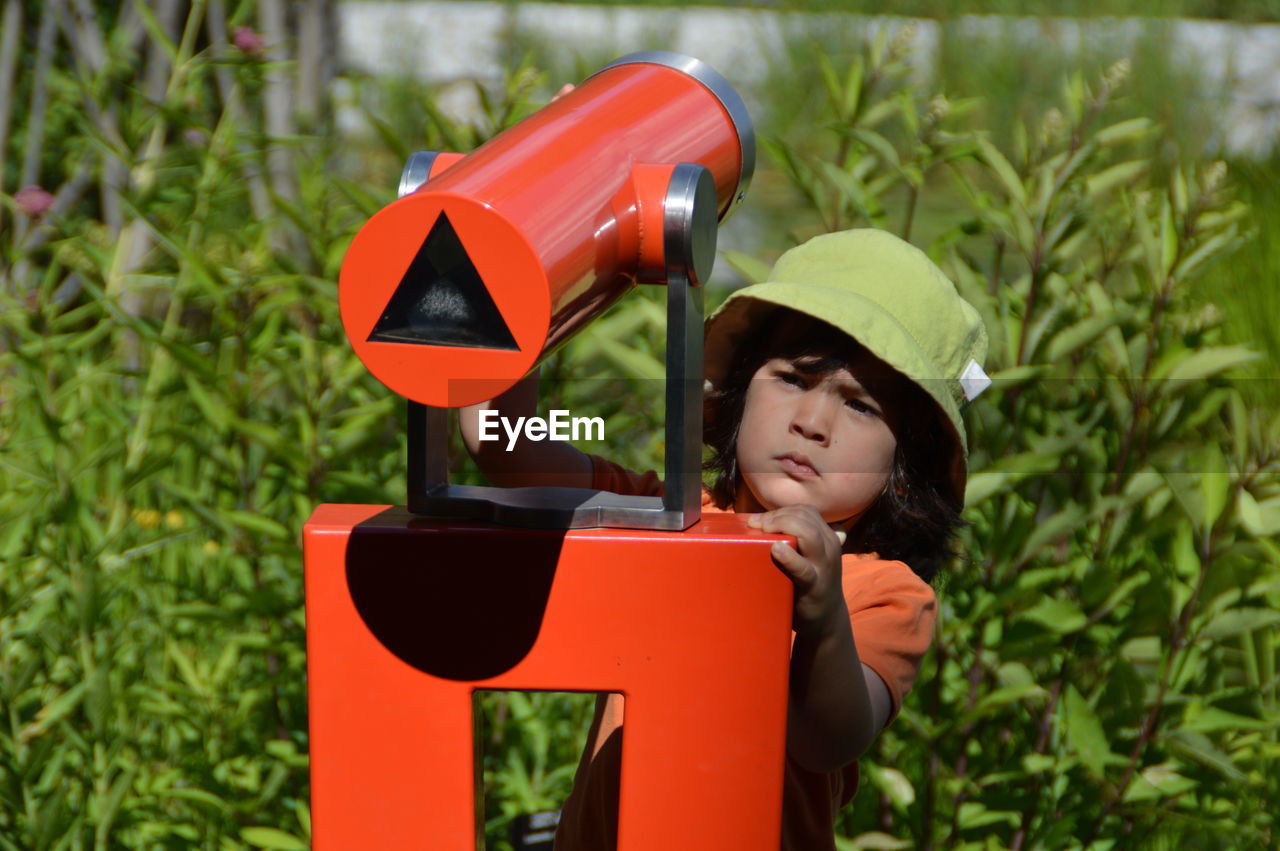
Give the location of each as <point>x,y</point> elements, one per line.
<point>528,746</point>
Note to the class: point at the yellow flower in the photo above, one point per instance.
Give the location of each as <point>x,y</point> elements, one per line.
<point>146,518</point>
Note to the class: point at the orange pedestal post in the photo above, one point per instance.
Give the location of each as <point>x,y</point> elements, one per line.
<point>408,617</point>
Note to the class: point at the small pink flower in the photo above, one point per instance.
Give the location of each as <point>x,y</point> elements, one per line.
<point>248,41</point>
<point>33,201</point>
<point>195,137</point>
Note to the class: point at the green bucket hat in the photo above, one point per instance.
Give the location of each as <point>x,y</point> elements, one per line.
<point>890,297</point>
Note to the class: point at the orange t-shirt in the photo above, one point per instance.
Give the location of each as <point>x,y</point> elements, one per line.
<point>892,612</point>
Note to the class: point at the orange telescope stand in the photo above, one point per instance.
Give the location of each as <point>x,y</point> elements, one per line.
<point>453,293</point>
<point>407,617</point>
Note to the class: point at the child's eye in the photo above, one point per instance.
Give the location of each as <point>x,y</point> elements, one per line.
<point>861,407</point>
<point>792,378</point>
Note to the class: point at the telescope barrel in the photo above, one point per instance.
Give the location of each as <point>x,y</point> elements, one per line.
<point>453,293</point>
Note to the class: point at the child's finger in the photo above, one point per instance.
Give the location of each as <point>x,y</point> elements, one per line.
<point>796,566</point>
<point>808,531</point>
<point>786,520</point>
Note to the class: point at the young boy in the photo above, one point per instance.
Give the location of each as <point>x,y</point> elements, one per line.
<point>834,418</point>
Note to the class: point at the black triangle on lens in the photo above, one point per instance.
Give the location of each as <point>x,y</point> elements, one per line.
<point>441,300</point>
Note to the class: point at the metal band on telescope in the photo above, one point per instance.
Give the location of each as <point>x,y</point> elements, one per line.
<point>724,92</point>
<point>417,169</point>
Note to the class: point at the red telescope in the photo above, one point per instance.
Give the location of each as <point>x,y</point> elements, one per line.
<point>492,260</point>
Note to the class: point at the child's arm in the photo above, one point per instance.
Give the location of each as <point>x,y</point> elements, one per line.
<point>837,705</point>
<point>527,463</point>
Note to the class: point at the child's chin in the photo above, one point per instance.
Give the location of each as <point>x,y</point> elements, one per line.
<point>779,491</point>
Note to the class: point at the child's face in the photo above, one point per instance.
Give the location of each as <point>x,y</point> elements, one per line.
<point>820,440</point>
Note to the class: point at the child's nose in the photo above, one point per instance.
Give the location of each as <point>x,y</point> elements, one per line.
<point>812,417</point>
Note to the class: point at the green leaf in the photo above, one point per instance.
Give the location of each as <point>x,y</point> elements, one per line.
<point>271,837</point>
<point>1198,747</point>
<point>186,668</point>
<point>1067,341</point>
<point>1060,616</point>
<point>1237,620</point>
<point>1143,649</point>
<point>880,145</point>
<point>1117,175</point>
<point>257,523</point>
<point>199,796</point>
<point>1213,720</point>
<point>853,89</point>
<point>1259,518</point>
<point>1120,593</point>
<point>1130,130</point>
<point>854,192</point>
<point>831,82</point>
<point>1158,781</point>
<point>1215,483</point>
<point>1003,170</point>
<point>54,711</point>
<point>1203,363</point>
<point>894,784</point>
<point>1050,531</point>
<point>97,699</point>
<point>975,814</point>
<point>1084,733</point>
<point>1008,694</point>
<point>51,818</point>
<point>1034,763</point>
<point>110,805</point>
<point>871,841</point>
<point>752,270</point>
<point>1169,241</point>
<point>1216,246</point>
<point>1178,189</point>
<point>634,362</point>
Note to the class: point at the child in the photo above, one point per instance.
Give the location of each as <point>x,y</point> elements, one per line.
<point>833,417</point>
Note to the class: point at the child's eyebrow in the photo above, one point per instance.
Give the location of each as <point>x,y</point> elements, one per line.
<point>816,364</point>
<point>823,365</point>
<point>852,388</point>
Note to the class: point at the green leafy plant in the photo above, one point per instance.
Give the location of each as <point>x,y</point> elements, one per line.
<point>176,396</point>
<point>1105,665</point>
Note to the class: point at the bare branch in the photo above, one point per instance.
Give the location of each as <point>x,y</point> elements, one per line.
<point>11,27</point>
<point>39,95</point>
<point>259,197</point>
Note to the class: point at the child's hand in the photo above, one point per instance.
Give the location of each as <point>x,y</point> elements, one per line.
<point>813,566</point>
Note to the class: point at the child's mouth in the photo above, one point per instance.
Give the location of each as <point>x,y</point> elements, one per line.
<point>797,466</point>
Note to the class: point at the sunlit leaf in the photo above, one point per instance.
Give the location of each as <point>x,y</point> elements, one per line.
<point>1061,616</point>
<point>271,837</point>
<point>1085,733</point>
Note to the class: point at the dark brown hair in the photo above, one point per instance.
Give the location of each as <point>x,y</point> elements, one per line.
<point>915,517</point>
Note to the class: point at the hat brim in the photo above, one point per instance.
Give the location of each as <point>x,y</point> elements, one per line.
<point>860,318</point>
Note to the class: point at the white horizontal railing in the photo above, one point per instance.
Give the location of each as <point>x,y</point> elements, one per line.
<point>1237,66</point>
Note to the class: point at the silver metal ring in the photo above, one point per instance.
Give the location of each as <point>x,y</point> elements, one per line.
<point>724,92</point>
<point>689,223</point>
<point>417,169</point>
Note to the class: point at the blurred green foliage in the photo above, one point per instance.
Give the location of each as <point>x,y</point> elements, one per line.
<point>176,395</point>
<point>1104,672</point>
